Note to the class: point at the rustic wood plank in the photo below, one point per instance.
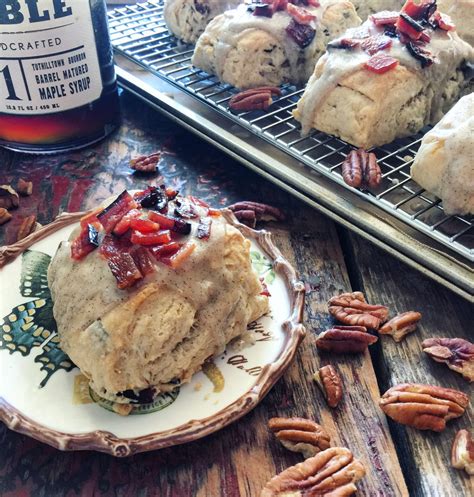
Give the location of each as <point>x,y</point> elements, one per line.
<point>237,461</point>
<point>424,455</point>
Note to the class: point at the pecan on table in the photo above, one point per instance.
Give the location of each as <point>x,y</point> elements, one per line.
<point>300,435</point>
<point>462,452</point>
<point>352,309</point>
<point>425,407</point>
<point>360,169</point>
<point>401,325</point>
<point>456,353</point>
<point>27,226</point>
<point>146,163</point>
<point>345,339</point>
<point>331,473</point>
<point>254,99</point>
<point>5,216</point>
<point>24,188</point>
<point>8,197</point>
<point>330,383</point>
<point>249,213</point>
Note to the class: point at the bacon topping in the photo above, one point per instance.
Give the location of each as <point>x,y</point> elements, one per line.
<point>112,214</point>
<point>156,238</point>
<point>384,18</point>
<point>302,34</point>
<point>85,242</point>
<point>300,14</point>
<point>177,260</point>
<point>374,44</point>
<point>380,63</point>
<point>152,198</point>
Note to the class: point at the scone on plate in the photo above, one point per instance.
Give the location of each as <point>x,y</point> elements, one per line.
<point>187,19</point>
<point>149,288</point>
<point>271,44</point>
<point>387,79</point>
<point>366,7</point>
<point>444,164</point>
<point>462,14</point>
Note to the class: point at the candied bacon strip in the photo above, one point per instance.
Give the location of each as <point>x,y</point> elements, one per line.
<point>409,27</point>
<point>380,63</point>
<point>300,14</point>
<point>170,223</point>
<point>85,242</point>
<point>156,238</point>
<point>384,18</point>
<point>301,34</point>
<point>124,224</point>
<point>144,225</point>
<point>112,214</point>
<point>177,260</point>
<point>152,198</point>
<point>168,249</point>
<point>374,44</point>
<point>124,269</point>
<point>204,228</point>
<point>142,258</point>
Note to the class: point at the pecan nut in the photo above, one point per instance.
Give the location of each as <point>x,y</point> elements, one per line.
<point>249,213</point>
<point>300,435</point>
<point>425,407</point>
<point>462,452</point>
<point>401,325</point>
<point>254,99</point>
<point>5,216</point>
<point>456,353</point>
<point>9,198</point>
<point>361,170</point>
<point>330,383</point>
<point>352,309</point>
<point>345,340</point>
<point>331,473</point>
<point>27,226</point>
<point>24,188</point>
<point>146,163</point>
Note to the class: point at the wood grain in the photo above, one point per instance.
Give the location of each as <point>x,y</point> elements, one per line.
<point>424,455</point>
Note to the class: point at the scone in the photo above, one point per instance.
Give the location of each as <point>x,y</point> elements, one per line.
<point>387,79</point>
<point>462,14</point>
<point>366,7</point>
<point>149,288</point>
<point>254,46</point>
<point>187,19</point>
<point>444,164</point>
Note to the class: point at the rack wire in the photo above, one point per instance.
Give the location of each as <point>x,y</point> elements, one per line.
<point>139,33</point>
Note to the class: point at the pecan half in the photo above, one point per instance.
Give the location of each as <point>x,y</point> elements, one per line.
<point>146,163</point>
<point>425,407</point>
<point>254,99</point>
<point>249,213</point>
<point>401,325</point>
<point>352,309</point>
<point>24,188</point>
<point>27,226</point>
<point>456,353</point>
<point>330,383</point>
<point>462,452</point>
<point>5,216</point>
<point>8,197</point>
<point>345,339</point>
<point>361,170</point>
<point>331,473</point>
<point>300,435</point>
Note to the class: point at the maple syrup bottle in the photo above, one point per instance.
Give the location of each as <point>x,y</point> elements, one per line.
<point>58,89</point>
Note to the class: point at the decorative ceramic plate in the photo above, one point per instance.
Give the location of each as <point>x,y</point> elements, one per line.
<point>43,395</point>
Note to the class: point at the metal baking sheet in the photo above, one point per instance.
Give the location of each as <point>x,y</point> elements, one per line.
<point>400,216</point>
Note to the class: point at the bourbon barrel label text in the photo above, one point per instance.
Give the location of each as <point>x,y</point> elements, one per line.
<point>48,56</point>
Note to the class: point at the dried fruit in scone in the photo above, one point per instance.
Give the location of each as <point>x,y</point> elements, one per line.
<point>271,43</point>
<point>331,473</point>
<point>387,79</point>
<point>456,353</point>
<point>300,435</point>
<point>148,288</point>
<point>425,407</point>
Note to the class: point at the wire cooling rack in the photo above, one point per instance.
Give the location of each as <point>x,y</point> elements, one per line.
<point>139,33</point>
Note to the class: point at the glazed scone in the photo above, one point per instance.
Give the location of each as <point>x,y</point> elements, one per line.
<point>370,88</point>
<point>248,50</point>
<point>137,317</point>
<point>444,164</point>
<point>187,19</point>
<point>366,7</point>
<point>462,14</point>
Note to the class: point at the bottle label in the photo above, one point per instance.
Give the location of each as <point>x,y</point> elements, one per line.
<point>48,56</point>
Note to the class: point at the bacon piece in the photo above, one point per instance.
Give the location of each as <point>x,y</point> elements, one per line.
<point>184,208</point>
<point>177,260</point>
<point>112,214</point>
<point>85,242</point>
<point>384,18</point>
<point>204,228</point>
<point>171,193</point>
<point>442,21</point>
<point>376,43</point>
<point>423,56</point>
<point>156,238</point>
<point>91,218</point>
<point>170,223</point>
<point>144,225</point>
<point>299,14</point>
<point>168,249</point>
<point>409,27</point>
<point>124,269</point>
<point>124,224</point>
<point>380,63</point>
<point>152,198</point>
<point>142,259</point>
<point>420,12</point>
<point>302,34</point>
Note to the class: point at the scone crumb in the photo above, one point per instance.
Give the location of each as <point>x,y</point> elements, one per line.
<point>197,386</point>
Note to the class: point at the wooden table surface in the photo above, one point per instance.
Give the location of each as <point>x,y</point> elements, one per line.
<point>238,460</point>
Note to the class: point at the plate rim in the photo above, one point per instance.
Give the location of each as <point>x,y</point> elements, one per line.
<point>105,441</point>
